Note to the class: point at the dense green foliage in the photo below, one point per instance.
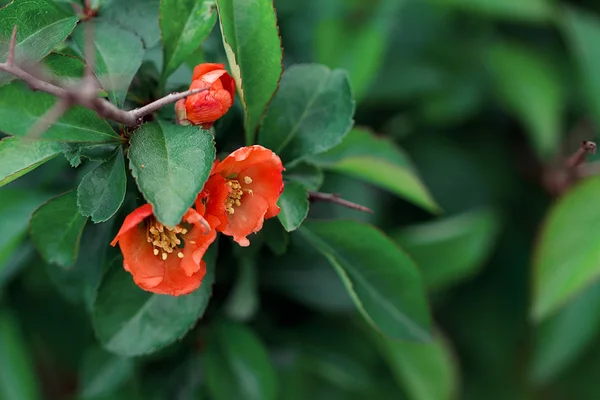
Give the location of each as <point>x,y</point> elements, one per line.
<point>475,276</point>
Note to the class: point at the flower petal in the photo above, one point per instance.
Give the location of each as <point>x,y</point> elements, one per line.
<point>132,220</point>
<point>177,283</point>
<point>147,269</point>
<point>247,218</point>
<point>203,69</point>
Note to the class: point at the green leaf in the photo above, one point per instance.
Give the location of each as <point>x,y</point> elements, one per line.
<point>582,32</point>
<point>102,373</point>
<point>19,156</point>
<point>41,25</point>
<point>242,303</point>
<point>308,175</point>
<point>388,292</point>
<point>562,338</point>
<point>450,249</point>
<point>184,25</point>
<point>119,55</point>
<point>532,10</point>
<point>17,376</point>
<point>170,164</point>
<point>238,365</point>
<point>132,322</point>
<point>20,109</point>
<point>102,190</point>
<point>75,152</point>
<point>567,255</point>
<point>426,371</point>
<point>16,207</point>
<point>311,112</point>
<point>56,228</point>
<point>380,162</point>
<point>253,47</point>
<point>358,48</point>
<point>294,205</point>
<point>515,70</point>
<point>137,16</point>
<point>277,239</point>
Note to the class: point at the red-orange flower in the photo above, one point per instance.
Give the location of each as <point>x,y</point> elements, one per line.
<point>242,191</point>
<point>165,260</point>
<point>206,107</point>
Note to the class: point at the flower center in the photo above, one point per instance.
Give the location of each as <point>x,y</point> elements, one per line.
<point>164,239</point>
<point>234,199</point>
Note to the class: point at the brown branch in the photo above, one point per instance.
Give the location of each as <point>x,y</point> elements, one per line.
<point>578,157</point>
<point>86,94</point>
<point>335,198</point>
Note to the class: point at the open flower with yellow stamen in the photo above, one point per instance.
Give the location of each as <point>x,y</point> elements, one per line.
<point>242,192</point>
<point>162,259</point>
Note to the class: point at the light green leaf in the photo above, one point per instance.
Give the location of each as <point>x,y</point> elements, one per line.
<point>16,207</point>
<point>56,228</point>
<point>311,112</point>
<point>567,255</point>
<point>531,10</point>
<point>253,47</point>
<point>294,205</point>
<point>238,365</point>
<point>119,55</point>
<point>426,371</point>
<point>450,249</point>
<point>102,190</point>
<point>41,25</point>
<point>19,156</point>
<point>17,376</point>
<point>582,32</point>
<point>184,25</point>
<point>515,70</point>
<point>564,337</point>
<point>388,289</point>
<point>20,109</point>
<point>378,161</point>
<point>170,164</point>
<point>137,16</point>
<point>102,373</point>
<point>132,322</point>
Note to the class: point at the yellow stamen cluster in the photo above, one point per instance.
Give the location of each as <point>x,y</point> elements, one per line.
<point>164,239</point>
<point>235,197</point>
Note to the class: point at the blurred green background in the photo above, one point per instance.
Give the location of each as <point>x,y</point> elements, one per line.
<point>486,97</point>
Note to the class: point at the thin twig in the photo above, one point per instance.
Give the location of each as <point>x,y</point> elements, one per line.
<point>10,59</point>
<point>578,157</point>
<point>81,95</point>
<point>335,198</point>
<point>49,118</point>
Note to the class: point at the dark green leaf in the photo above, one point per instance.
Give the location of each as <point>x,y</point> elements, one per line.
<point>170,164</point>
<point>75,153</point>
<point>388,292</point>
<point>582,31</point>
<point>119,55</point>
<point>532,10</point>
<point>18,156</point>
<point>20,109</point>
<point>102,190</point>
<point>308,175</point>
<point>377,161</point>
<point>565,336</point>
<point>56,228</point>
<point>133,322</point>
<point>184,25</point>
<point>17,375</point>
<point>427,371</point>
<point>253,47</point>
<point>277,239</point>
<point>567,251</point>
<point>137,16</point>
<point>238,365</point>
<point>102,373</point>
<point>516,69</point>
<point>294,206</point>
<point>310,114</point>
<point>450,249</point>
<point>16,207</point>
<point>41,25</point>
<point>242,303</point>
